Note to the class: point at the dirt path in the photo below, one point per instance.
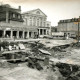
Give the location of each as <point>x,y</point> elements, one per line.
<point>21,73</point>
<point>8,78</point>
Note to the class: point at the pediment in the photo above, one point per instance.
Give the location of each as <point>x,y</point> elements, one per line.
<point>36,12</point>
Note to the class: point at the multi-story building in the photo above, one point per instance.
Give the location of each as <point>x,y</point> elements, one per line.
<point>69,26</point>
<point>11,22</point>
<point>36,20</point>
<point>26,25</point>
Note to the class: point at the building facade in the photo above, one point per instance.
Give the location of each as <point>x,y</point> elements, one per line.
<point>37,20</point>
<point>11,22</point>
<point>69,27</point>
<point>30,24</point>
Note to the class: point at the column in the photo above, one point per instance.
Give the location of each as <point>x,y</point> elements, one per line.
<point>39,31</point>
<point>11,34</point>
<point>32,21</point>
<point>50,31</point>
<point>42,31</point>
<point>36,21</point>
<point>17,34</point>
<point>23,34</point>
<point>4,33</point>
<point>27,34</point>
<point>32,35</point>
<point>46,31</point>
<point>7,15</point>
<point>42,22</point>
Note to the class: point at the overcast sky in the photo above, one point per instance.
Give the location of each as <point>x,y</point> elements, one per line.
<point>54,9</point>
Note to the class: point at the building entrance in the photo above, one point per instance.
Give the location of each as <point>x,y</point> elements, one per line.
<point>1,33</point>
<point>44,32</point>
<point>15,34</point>
<point>20,34</point>
<point>25,36</point>
<point>8,34</point>
<point>40,31</point>
<point>30,34</point>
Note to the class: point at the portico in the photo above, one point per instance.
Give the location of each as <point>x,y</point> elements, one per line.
<point>16,33</point>
<point>43,31</point>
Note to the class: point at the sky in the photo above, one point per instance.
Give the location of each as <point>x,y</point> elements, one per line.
<point>54,9</point>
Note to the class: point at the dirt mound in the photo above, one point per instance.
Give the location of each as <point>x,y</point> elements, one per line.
<point>7,65</point>
<point>76,45</point>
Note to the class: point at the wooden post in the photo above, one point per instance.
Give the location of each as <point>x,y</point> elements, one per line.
<point>78,31</point>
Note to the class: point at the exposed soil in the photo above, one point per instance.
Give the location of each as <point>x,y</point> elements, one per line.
<point>68,70</point>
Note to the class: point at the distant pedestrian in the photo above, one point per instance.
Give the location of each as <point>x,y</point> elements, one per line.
<point>2,48</point>
<point>10,47</point>
<point>14,46</point>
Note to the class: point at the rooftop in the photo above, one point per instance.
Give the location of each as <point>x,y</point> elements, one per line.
<point>31,11</point>
<point>69,20</point>
<point>7,6</point>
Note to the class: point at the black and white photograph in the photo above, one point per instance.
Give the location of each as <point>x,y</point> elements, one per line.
<point>39,39</point>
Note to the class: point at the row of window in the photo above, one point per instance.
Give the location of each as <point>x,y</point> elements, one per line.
<point>34,22</point>
<point>34,17</point>
<point>70,20</point>
<point>16,15</point>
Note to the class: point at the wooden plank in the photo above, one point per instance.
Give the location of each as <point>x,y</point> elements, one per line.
<point>13,51</point>
<point>19,59</point>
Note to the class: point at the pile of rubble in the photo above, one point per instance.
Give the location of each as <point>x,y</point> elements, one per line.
<point>39,56</point>
<point>76,45</point>
<point>64,69</point>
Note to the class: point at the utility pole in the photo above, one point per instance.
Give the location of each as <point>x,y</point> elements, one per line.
<point>66,31</point>
<point>50,30</point>
<point>78,31</point>
<point>78,28</point>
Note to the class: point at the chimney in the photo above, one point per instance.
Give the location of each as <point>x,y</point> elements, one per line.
<point>19,7</point>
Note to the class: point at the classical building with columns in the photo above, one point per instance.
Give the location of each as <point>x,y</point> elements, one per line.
<point>36,19</point>
<point>30,24</point>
